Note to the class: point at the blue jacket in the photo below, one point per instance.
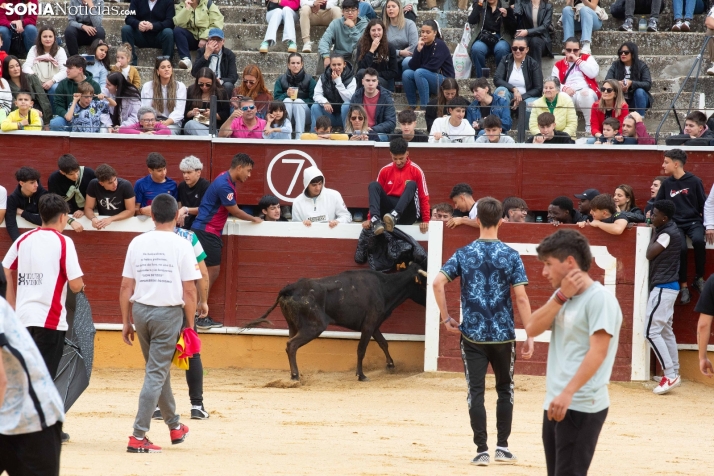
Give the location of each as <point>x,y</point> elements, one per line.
<point>161,17</point>
<point>499,107</point>
<point>385,117</point>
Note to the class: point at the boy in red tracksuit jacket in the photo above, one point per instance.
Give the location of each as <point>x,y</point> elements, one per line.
<point>399,194</point>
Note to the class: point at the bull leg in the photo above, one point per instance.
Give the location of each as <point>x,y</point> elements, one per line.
<point>361,350</point>
<point>302,336</point>
<point>384,346</point>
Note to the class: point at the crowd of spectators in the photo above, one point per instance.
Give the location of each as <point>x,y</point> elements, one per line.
<point>416,58</point>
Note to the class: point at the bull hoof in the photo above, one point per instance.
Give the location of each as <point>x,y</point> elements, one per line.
<point>390,365</point>
<point>390,368</point>
<point>363,378</point>
<point>295,377</point>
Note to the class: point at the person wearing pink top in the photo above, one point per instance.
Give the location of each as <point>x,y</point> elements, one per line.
<point>24,25</point>
<point>243,123</point>
<point>147,124</point>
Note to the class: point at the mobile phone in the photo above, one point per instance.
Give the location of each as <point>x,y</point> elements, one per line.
<point>323,6</point>
<point>201,111</point>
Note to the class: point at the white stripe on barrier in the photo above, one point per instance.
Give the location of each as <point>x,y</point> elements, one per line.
<point>432,321</point>
<point>710,348</point>
<point>640,363</point>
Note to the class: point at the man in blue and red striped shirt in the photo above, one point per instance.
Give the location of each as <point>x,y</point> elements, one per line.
<point>218,202</point>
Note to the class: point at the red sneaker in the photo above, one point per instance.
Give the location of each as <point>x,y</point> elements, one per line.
<point>142,446</point>
<point>179,434</point>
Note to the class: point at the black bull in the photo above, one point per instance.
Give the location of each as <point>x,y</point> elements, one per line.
<point>359,300</point>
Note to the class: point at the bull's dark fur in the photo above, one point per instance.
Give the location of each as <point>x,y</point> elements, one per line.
<point>359,300</point>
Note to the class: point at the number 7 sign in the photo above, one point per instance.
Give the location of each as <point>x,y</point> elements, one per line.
<point>285,172</point>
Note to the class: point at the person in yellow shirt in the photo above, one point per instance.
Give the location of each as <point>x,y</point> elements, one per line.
<point>24,117</point>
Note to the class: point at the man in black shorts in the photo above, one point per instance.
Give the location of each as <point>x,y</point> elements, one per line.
<point>218,202</point>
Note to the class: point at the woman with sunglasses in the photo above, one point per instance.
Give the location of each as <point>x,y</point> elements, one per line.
<point>534,20</point>
<point>198,104</point>
<point>427,68</point>
<point>559,104</point>
<point>20,81</point>
<point>401,31</point>
<point>587,22</point>
<point>611,104</point>
<point>634,77</point>
<point>85,26</point>
<point>518,76</point>
<point>166,95</point>
<point>124,101</point>
<point>253,86</point>
<point>492,35</point>
<point>356,124</point>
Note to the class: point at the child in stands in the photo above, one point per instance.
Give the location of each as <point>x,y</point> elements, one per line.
<point>122,65</point>
<point>25,117</point>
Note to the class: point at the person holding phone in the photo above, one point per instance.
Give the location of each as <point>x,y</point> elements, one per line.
<point>198,103</point>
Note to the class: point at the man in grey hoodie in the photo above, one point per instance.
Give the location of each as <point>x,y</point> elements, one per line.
<point>343,33</point>
<point>85,24</point>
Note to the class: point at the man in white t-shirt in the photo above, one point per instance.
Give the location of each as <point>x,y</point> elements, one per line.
<point>31,409</point>
<point>45,261</point>
<point>157,291</point>
<point>453,128</point>
<point>584,319</point>
<point>464,206</point>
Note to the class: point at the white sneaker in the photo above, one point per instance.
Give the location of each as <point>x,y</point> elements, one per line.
<point>185,63</point>
<point>307,47</point>
<point>665,385</point>
<point>710,71</point>
<point>586,48</point>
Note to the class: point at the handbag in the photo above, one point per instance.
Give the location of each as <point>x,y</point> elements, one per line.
<point>17,45</point>
<point>272,5</point>
<point>489,38</point>
<point>45,70</point>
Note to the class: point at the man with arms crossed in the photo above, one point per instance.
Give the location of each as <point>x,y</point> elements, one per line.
<point>584,319</point>
<point>218,202</point>
<point>157,293</point>
<point>488,269</point>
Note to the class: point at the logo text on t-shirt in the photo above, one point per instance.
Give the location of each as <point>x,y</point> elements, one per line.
<point>29,279</point>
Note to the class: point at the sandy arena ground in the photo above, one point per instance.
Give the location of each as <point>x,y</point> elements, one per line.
<point>395,424</point>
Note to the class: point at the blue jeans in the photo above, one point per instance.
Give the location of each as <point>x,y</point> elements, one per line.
<point>421,80</point>
<point>185,42</point>
<point>588,23</point>
<point>29,35</point>
<point>479,51</point>
<point>501,91</point>
<point>366,11</point>
<point>337,117</point>
<point>639,102</point>
<point>137,39</point>
<point>691,8</point>
<point>59,124</point>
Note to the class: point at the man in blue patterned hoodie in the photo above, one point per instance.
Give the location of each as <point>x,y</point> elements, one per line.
<point>488,269</point>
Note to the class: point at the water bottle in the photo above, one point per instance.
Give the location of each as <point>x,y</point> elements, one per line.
<point>643,25</point>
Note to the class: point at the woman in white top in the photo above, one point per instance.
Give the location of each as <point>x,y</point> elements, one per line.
<point>47,60</point>
<point>5,99</point>
<point>402,33</point>
<point>166,95</point>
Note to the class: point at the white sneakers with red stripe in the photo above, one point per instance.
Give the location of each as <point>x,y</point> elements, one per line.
<point>665,385</point>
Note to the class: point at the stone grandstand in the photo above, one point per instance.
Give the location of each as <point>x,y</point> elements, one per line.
<point>669,55</point>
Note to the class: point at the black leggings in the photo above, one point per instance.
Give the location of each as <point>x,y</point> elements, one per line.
<point>570,444</point>
<point>476,357</point>
<point>36,453</point>
<point>194,379</point>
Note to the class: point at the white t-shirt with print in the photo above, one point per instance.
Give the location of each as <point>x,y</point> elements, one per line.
<point>45,260</point>
<point>159,262</point>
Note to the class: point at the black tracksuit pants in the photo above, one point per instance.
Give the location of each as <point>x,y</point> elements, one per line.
<point>502,357</point>
<point>570,444</point>
<point>380,203</point>
<point>695,232</point>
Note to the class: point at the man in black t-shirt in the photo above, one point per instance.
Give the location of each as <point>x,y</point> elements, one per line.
<point>606,217</point>
<point>548,134</point>
<point>191,190</point>
<point>70,182</point>
<point>705,308</point>
<point>407,123</point>
<point>113,197</point>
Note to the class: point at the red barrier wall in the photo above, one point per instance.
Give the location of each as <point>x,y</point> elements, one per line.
<point>539,291</point>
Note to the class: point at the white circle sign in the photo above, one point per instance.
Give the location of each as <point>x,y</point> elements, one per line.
<point>282,158</point>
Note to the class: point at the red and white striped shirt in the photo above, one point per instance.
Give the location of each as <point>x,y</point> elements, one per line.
<point>45,260</point>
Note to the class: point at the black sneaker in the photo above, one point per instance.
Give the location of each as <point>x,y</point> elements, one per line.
<point>627,26</point>
<point>199,413</point>
<point>699,284</point>
<point>390,219</point>
<point>377,226</point>
<point>481,459</point>
<point>157,415</point>
<point>207,323</point>
<point>684,296</point>
<point>65,437</point>
<point>505,457</point>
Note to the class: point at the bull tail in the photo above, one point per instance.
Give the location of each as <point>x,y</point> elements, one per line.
<point>264,318</point>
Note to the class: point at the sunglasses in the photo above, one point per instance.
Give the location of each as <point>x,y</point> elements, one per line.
<point>356,118</point>
<point>205,85</point>
<point>249,81</point>
<point>623,53</point>
<point>518,48</point>
<point>247,108</point>
<point>572,50</point>
<point>607,90</point>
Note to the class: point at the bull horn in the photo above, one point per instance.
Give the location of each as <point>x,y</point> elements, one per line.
<point>423,273</point>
